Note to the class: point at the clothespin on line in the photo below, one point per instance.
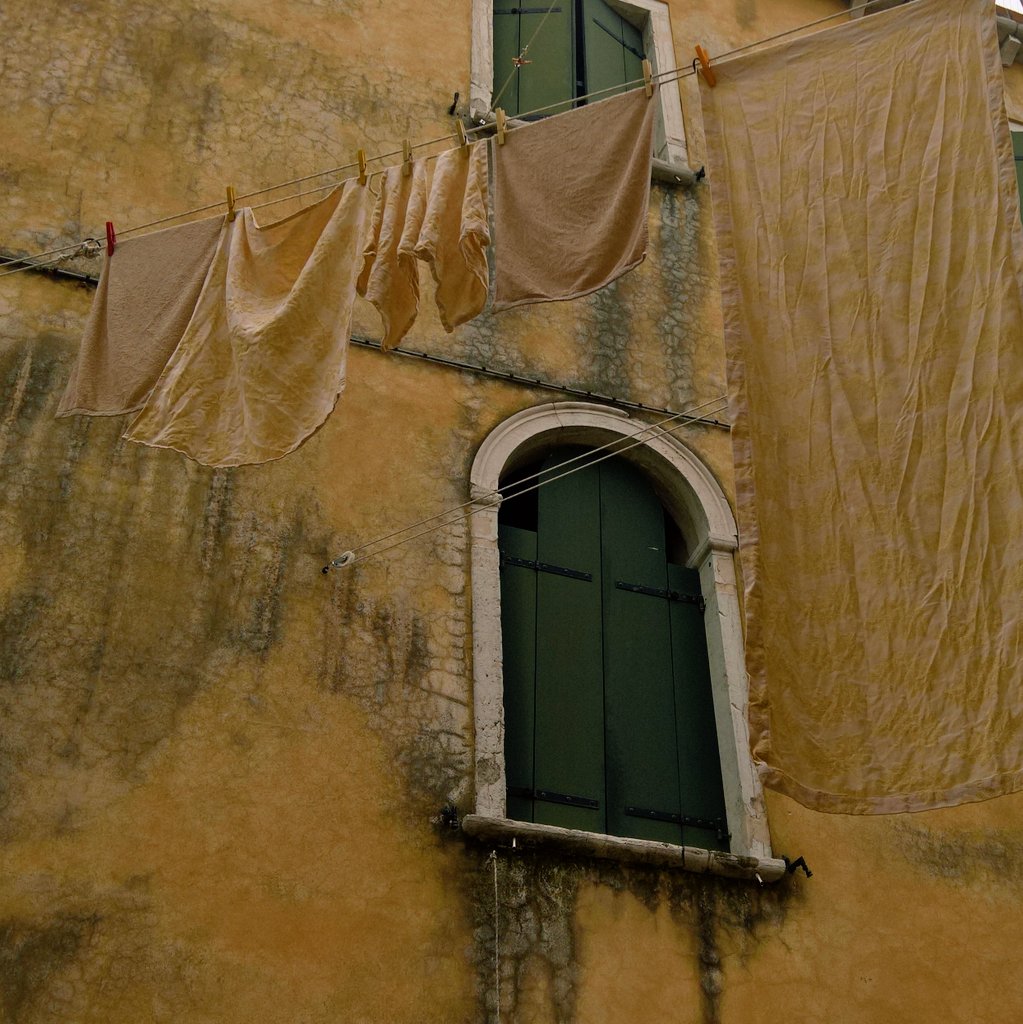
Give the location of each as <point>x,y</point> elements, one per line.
<point>502,125</point>
<point>231,200</point>
<point>460,137</point>
<point>648,78</point>
<point>360,155</point>
<point>406,157</point>
<point>111,238</point>
<point>705,69</point>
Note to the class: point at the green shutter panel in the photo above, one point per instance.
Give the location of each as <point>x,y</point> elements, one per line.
<point>698,758</point>
<point>518,642</point>
<point>550,75</point>
<point>641,747</point>
<point>569,735</point>
<point>506,46</point>
<point>1017,152</point>
<point>613,48</point>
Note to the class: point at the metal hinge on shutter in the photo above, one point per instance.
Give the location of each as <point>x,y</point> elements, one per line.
<point>711,824</point>
<point>557,570</point>
<point>553,798</point>
<point>670,595</point>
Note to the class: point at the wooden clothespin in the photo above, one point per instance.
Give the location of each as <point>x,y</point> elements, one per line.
<point>360,155</point>
<point>111,238</point>
<point>502,125</point>
<point>460,137</point>
<point>406,157</point>
<point>648,78</point>
<point>231,200</point>
<point>705,69</point>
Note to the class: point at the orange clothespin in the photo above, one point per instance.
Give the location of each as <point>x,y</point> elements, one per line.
<point>648,78</point>
<point>360,155</point>
<point>705,69</point>
<point>502,125</point>
<point>231,212</point>
<point>460,137</point>
<point>406,158</point>
<point>111,238</point>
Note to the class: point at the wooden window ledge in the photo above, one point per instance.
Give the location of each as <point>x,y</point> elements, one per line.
<point>506,832</point>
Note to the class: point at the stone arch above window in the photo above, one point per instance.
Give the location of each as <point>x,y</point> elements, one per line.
<point>694,498</point>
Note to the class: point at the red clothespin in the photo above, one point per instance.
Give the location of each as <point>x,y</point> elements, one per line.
<point>705,69</point>
<point>111,238</point>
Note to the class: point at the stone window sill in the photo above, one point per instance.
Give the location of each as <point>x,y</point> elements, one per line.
<point>507,832</point>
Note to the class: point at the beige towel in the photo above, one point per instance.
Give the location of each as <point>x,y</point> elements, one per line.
<point>390,275</point>
<point>455,234</point>
<point>145,298</point>
<point>872,264</point>
<point>570,201</point>
<point>263,360</point>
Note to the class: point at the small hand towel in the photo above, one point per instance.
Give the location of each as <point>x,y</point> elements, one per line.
<point>262,363</point>
<point>146,295</point>
<point>570,201</point>
<point>455,234</point>
<point>390,275</point>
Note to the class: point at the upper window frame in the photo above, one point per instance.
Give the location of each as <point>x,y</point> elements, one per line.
<point>693,496</point>
<point>652,15</point>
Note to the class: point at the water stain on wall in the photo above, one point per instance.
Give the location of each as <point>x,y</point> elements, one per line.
<point>525,919</point>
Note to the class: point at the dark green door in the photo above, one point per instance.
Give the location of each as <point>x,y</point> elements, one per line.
<point>608,706</point>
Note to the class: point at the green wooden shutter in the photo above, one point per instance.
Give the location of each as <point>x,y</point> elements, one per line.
<point>518,642</point>
<point>550,75</point>
<point>641,746</point>
<point>569,746</point>
<point>613,48</point>
<point>1017,152</point>
<point>698,758</point>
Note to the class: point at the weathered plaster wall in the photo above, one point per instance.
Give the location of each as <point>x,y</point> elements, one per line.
<point>221,773</point>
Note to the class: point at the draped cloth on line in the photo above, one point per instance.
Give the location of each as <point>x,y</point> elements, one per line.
<point>454,236</point>
<point>871,264</point>
<point>570,201</point>
<point>146,295</point>
<point>262,362</point>
<point>390,275</point>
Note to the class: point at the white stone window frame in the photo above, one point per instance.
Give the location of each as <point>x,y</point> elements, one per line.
<point>651,17</point>
<point>693,496</point>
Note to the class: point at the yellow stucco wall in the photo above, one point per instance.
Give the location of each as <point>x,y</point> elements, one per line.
<point>221,772</point>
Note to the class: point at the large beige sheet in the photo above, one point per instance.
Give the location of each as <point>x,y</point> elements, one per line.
<point>570,201</point>
<point>262,362</point>
<point>145,298</point>
<point>870,249</point>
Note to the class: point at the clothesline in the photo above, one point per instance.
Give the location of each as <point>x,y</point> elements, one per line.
<point>663,78</point>
<point>652,431</point>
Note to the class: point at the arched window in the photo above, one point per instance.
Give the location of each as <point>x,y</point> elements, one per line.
<point>609,719</point>
<point>669,500</point>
